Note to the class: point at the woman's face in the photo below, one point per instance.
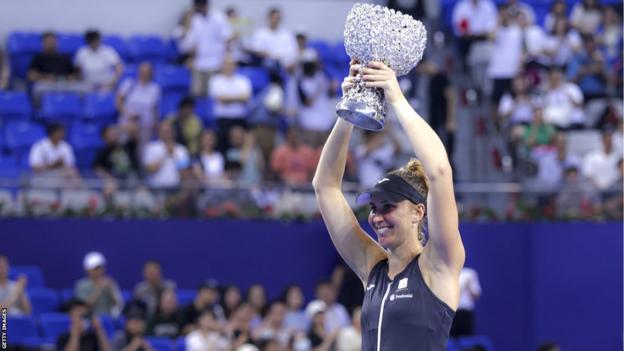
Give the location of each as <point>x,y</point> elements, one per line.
<point>294,298</point>
<point>232,296</point>
<point>392,221</point>
<point>257,297</point>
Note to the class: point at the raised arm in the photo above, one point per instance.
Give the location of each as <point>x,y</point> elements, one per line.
<point>358,249</point>
<point>445,246</point>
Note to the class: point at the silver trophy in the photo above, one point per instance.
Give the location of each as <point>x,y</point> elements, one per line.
<point>377,33</point>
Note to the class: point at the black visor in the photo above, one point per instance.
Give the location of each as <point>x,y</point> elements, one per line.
<point>393,188</point>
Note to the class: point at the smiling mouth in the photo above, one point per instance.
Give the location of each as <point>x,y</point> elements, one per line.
<point>382,230</point>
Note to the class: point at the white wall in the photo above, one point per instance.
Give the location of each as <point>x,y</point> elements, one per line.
<point>320,18</point>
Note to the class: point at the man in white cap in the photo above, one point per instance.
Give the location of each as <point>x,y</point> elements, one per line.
<point>99,291</point>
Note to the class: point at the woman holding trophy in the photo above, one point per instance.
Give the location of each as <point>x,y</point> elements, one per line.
<point>411,279</point>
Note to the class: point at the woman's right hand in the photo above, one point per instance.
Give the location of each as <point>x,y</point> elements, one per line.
<point>349,81</point>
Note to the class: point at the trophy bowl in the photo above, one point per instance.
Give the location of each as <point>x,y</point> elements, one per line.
<point>377,33</point>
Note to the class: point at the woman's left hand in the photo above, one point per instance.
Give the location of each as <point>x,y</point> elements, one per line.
<point>378,75</point>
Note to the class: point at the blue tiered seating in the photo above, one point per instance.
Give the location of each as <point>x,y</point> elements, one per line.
<point>60,107</point>
<point>23,331</point>
<point>258,76</point>
<point>172,78</point>
<point>20,135</point>
<point>53,325</point>
<point>33,273</point>
<point>14,105</point>
<point>85,138</point>
<point>69,43</point>
<point>147,48</point>
<point>99,108</point>
<point>117,43</point>
<point>21,47</point>
<point>160,344</point>
<point>43,300</point>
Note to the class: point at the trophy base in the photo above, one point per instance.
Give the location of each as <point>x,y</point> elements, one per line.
<point>359,114</point>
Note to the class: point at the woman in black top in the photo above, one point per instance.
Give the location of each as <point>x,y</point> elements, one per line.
<point>411,289</point>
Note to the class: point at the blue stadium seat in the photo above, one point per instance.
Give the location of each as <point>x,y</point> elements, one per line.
<point>22,330</point>
<point>9,166</point>
<point>69,43</point>
<point>117,43</point>
<point>85,136</point>
<point>173,78</point>
<point>204,108</point>
<point>340,57</point>
<point>33,273</point>
<point>130,71</point>
<point>161,344</point>
<point>66,294</point>
<point>258,76</point>
<point>169,103</point>
<point>61,107</point>
<point>21,47</point>
<point>20,135</point>
<point>146,48</point>
<point>44,300</point>
<point>172,51</point>
<point>100,107</point>
<point>14,105</point>
<point>185,296</point>
<point>53,325</point>
<point>109,324</point>
<point>323,49</point>
<point>181,343</point>
<point>126,295</point>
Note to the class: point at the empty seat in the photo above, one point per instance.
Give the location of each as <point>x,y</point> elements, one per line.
<point>169,103</point>
<point>146,48</point>
<point>21,47</point>
<point>69,43</point>
<point>100,107</point>
<point>33,273</point>
<point>22,330</point>
<point>117,43</point>
<point>129,71</point>
<point>173,78</point>
<point>185,296</point>
<point>109,324</point>
<point>323,49</point>
<point>181,343</point>
<point>20,135</point>
<point>14,104</point>
<point>204,108</point>
<point>66,294</point>
<point>258,76</point>
<point>85,136</point>
<point>9,166</point>
<point>53,325</point>
<point>43,300</point>
<point>161,344</point>
<point>60,107</point>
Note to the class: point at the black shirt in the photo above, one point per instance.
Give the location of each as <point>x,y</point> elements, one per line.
<point>88,341</point>
<point>52,63</point>
<point>119,161</point>
<point>412,317</point>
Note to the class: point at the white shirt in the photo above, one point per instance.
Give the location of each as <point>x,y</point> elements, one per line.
<point>336,317</point>
<point>319,116</point>
<point>141,100</point>
<point>481,18</point>
<point>560,105</point>
<point>279,44</point>
<point>212,165</point>
<point>505,60</point>
<point>97,67</point>
<point>468,279</point>
<point>44,153</point>
<point>549,168</point>
<point>349,339</point>
<point>519,110</point>
<point>372,166</point>
<point>197,341</point>
<point>168,175</point>
<point>563,48</point>
<point>208,36</point>
<point>601,168</point>
<point>222,86</point>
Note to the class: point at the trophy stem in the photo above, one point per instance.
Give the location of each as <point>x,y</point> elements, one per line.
<point>364,107</point>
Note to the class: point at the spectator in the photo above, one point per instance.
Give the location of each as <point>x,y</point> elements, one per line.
<point>577,197</point>
<point>238,328</point>
<point>586,16</point>
<point>13,295</point>
<point>167,320</point>
<point>473,21</point>
<point>516,107</point>
<point>505,61</point>
<point>52,71</point>
<point>256,298</point>
<point>295,318</point>
<point>561,43</point>
<point>549,346</point>
<point>5,71</point>
<point>232,93</point>
<point>533,41</point>
<point>185,57</point>
<point>600,166</point>
<point>350,338</point>
<point>241,28</point>
<point>99,291</point>
<point>207,336</point>
<point>210,165</point>
<point>610,35</point>
<point>537,133</point>
<point>165,160</point>
<point>374,157</point>
<point>244,162</point>
<point>558,10</point>
<point>186,125</point>
<point>137,102</point>
<point>613,200</point>
<point>588,69</point>
<point>207,298</point>
<point>153,285</point>
<point>80,336</point>
<point>52,158</point>
<point>563,102</point>
<point>470,291</point>
<point>273,327</point>
<point>515,8</point>
<point>267,114</point>
<point>316,115</point>
<point>116,159</point>
<point>293,162</point>
<point>274,45</point>
<point>232,299</point>
<point>207,37</point>
<point>320,338</point>
<point>552,161</point>
<point>99,64</point>
<point>336,315</point>
<point>132,337</point>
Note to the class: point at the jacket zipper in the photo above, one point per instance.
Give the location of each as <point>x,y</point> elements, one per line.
<point>383,302</point>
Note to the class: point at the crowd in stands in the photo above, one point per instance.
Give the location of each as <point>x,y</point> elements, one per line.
<point>158,315</point>
<point>224,104</point>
